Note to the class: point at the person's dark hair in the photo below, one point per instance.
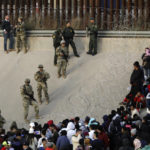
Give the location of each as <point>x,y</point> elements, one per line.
<point>77,126</point>
<point>136,64</point>
<point>52,125</point>
<point>87,119</point>
<point>113,113</point>
<point>45,127</point>
<point>100,128</point>
<point>77,119</point>
<point>96,134</point>
<point>43,132</point>
<point>63,133</point>
<point>81,142</point>
<point>43,140</point>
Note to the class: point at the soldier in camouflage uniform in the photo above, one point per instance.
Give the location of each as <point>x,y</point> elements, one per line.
<point>2,120</point>
<point>20,33</point>
<point>41,77</point>
<point>28,99</point>
<point>68,35</point>
<point>57,37</point>
<point>93,37</point>
<point>62,56</point>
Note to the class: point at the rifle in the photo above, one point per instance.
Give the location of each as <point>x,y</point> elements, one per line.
<point>65,56</point>
<point>31,96</point>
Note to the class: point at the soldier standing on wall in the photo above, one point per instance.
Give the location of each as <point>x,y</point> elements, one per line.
<point>21,37</point>
<point>68,35</point>
<point>57,37</point>
<point>93,37</point>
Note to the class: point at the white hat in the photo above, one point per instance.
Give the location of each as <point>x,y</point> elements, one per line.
<point>62,42</point>
<point>133,131</point>
<point>32,124</point>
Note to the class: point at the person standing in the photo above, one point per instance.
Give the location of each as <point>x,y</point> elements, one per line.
<point>62,59</point>
<point>68,34</point>
<point>136,79</point>
<point>57,38</point>
<point>93,37</point>
<point>20,33</point>
<point>8,34</point>
<point>28,99</point>
<point>41,77</point>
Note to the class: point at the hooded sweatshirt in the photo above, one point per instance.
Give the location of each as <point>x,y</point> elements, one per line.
<point>70,131</point>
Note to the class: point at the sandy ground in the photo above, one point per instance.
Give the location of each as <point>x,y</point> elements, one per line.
<point>94,85</point>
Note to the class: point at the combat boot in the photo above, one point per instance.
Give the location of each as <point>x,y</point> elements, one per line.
<point>40,102</point>
<point>59,76</point>
<point>64,76</point>
<point>26,50</point>
<point>18,50</point>
<point>47,102</point>
<point>37,117</point>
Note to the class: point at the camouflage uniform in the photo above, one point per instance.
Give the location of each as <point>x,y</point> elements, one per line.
<point>41,78</point>
<point>2,120</point>
<point>27,93</point>
<point>93,39</point>
<point>57,37</point>
<point>62,54</point>
<point>21,38</point>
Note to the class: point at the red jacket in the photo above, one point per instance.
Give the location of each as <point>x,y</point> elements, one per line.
<point>103,136</point>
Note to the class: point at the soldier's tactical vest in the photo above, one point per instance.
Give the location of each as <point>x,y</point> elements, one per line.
<point>28,89</point>
<point>20,28</point>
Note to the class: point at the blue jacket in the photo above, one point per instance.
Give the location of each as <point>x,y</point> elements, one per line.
<point>62,142</point>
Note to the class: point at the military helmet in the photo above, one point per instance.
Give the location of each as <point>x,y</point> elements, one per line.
<point>21,18</point>
<point>27,80</point>
<point>62,42</point>
<point>40,66</point>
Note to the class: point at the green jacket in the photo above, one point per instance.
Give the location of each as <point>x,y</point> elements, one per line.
<point>93,30</point>
<point>57,37</point>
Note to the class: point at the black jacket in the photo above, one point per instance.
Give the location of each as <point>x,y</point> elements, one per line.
<point>137,77</point>
<point>6,26</point>
<point>68,33</point>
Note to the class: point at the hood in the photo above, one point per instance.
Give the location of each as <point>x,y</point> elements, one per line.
<point>70,126</point>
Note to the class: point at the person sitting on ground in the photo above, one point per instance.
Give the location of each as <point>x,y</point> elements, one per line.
<point>26,146</point>
<point>97,144</point>
<point>63,142</point>
<point>139,100</point>
<point>103,137</point>
<point>44,144</point>
<point>134,111</point>
<point>76,138</point>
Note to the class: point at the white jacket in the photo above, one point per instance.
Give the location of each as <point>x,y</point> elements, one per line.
<point>75,141</point>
